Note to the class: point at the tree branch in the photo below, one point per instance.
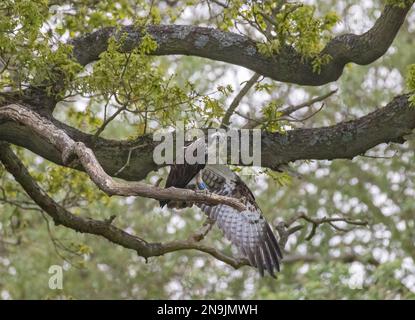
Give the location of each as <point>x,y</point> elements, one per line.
<point>344,140</point>
<point>286,66</point>
<point>291,109</point>
<point>316,222</point>
<point>69,148</point>
<point>237,100</point>
<point>111,154</point>
<point>105,228</point>
<point>285,113</point>
<point>61,216</point>
<point>345,258</point>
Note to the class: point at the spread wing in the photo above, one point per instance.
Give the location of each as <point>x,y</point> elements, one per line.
<point>247,230</point>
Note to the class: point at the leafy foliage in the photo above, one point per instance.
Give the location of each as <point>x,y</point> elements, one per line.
<point>283,24</point>
<point>145,93</point>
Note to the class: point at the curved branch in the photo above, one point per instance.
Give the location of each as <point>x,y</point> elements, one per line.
<point>286,66</point>
<point>68,148</point>
<point>111,154</point>
<point>61,216</point>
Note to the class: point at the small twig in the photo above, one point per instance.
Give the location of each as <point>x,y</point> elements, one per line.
<point>219,3</point>
<point>57,244</point>
<point>108,120</point>
<point>291,109</point>
<point>106,107</point>
<point>110,219</point>
<point>284,232</point>
<point>201,233</point>
<point>5,65</point>
<point>304,119</point>
<point>123,105</point>
<point>18,204</point>
<point>286,113</point>
<point>237,100</point>
<point>316,222</point>
<point>127,163</point>
<point>345,258</point>
<point>379,157</point>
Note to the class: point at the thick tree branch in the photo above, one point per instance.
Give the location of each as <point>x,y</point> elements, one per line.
<point>69,149</point>
<point>111,154</point>
<point>286,66</point>
<point>344,140</point>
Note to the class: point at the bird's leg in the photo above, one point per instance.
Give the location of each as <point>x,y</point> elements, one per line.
<point>201,185</point>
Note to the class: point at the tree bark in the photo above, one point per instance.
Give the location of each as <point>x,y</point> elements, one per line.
<point>286,66</point>
<point>344,140</point>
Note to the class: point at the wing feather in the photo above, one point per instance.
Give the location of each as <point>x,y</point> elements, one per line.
<point>247,230</point>
<point>274,255</point>
<point>268,259</point>
<point>273,240</point>
<point>180,175</point>
<point>259,262</point>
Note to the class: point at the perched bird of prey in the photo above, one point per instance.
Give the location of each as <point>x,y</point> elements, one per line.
<point>247,230</point>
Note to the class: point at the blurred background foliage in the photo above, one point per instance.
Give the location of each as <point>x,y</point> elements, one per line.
<point>373,262</point>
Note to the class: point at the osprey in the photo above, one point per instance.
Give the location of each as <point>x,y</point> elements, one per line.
<point>247,230</point>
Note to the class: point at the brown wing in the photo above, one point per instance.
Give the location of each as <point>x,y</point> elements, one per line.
<point>180,175</point>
